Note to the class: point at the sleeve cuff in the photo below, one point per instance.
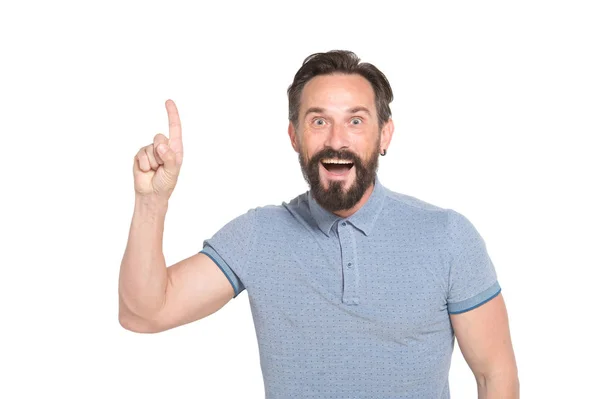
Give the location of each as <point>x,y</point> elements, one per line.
<point>220,262</point>
<point>476,301</point>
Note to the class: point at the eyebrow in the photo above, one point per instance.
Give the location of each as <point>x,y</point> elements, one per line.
<point>354,110</point>
<point>316,110</point>
<point>359,108</point>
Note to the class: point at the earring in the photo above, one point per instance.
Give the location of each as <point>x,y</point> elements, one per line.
<point>384,152</point>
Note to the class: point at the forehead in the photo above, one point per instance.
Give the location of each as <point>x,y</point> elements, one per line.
<point>338,90</point>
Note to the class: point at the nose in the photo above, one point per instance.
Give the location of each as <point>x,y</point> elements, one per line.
<point>337,137</point>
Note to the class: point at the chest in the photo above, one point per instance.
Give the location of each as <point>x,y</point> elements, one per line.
<point>348,282</point>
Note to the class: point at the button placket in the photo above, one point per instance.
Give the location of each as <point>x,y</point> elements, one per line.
<point>349,269</point>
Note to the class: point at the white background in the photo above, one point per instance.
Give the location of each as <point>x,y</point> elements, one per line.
<point>496,111</point>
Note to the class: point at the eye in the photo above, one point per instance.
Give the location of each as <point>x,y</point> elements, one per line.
<point>356,121</point>
<point>319,122</point>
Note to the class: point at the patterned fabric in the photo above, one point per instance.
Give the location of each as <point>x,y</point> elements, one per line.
<point>355,307</point>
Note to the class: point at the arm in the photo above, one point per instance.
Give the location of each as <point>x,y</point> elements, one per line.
<point>484,339</point>
<point>154,298</point>
<point>143,274</point>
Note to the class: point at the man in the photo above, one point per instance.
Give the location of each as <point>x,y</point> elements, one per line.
<point>356,291</point>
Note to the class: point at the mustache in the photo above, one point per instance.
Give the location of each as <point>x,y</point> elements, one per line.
<point>331,153</point>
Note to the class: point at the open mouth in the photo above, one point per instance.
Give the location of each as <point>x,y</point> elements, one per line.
<point>337,166</point>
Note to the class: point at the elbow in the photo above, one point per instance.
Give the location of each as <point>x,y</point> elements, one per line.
<point>136,325</point>
<point>136,319</point>
<point>125,323</point>
<point>131,322</point>
<point>503,383</point>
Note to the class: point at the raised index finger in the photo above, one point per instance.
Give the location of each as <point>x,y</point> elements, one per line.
<point>174,127</point>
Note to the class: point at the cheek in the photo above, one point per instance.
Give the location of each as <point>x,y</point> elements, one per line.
<point>370,145</point>
<point>309,147</point>
<point>304,152</point>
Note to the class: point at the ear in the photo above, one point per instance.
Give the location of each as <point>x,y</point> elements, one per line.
<point>386,134</point>
<point>293,137</point>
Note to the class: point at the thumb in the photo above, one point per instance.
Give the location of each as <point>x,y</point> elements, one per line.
<point>169,159</point>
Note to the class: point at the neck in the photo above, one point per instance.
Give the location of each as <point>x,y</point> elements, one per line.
<point>344,213</point>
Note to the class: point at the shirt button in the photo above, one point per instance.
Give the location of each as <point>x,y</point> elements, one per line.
<point>350,265</point>
<point>343,223</point>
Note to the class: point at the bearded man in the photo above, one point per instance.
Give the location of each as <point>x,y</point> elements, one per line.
<point>356,291</point>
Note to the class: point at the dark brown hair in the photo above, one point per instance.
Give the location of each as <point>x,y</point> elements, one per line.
<point>346,62</point>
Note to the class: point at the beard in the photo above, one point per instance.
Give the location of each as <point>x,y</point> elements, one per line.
<point>335,197</point>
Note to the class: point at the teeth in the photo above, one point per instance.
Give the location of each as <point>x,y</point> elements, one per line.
<point>338,161</point>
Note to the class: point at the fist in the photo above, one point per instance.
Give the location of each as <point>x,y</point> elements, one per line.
<point>156,166</point>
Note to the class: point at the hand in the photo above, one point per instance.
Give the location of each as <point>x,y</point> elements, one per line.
<point>155,172</point>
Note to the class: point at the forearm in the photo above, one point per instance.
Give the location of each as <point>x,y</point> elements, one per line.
<point>499,386</point>
<point>143,274</point>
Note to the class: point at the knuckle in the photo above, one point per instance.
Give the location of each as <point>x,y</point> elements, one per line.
<point>143,150</point>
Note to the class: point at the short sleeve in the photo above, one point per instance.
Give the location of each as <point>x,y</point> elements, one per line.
<point>232,247</point>
<point>472,277</point>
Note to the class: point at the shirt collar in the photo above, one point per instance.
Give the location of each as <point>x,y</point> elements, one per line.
<point>363,219</point>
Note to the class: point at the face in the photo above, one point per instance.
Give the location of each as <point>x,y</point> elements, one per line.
<point>338,139</point>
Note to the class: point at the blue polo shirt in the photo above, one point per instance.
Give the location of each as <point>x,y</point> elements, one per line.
<point>355,307</point>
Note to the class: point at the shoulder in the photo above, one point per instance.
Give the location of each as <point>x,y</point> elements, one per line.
<point>450,221</point>
<point>274,214</point>
<point>410,207</point>
<point>455,230</point>
<point>409,201</point>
